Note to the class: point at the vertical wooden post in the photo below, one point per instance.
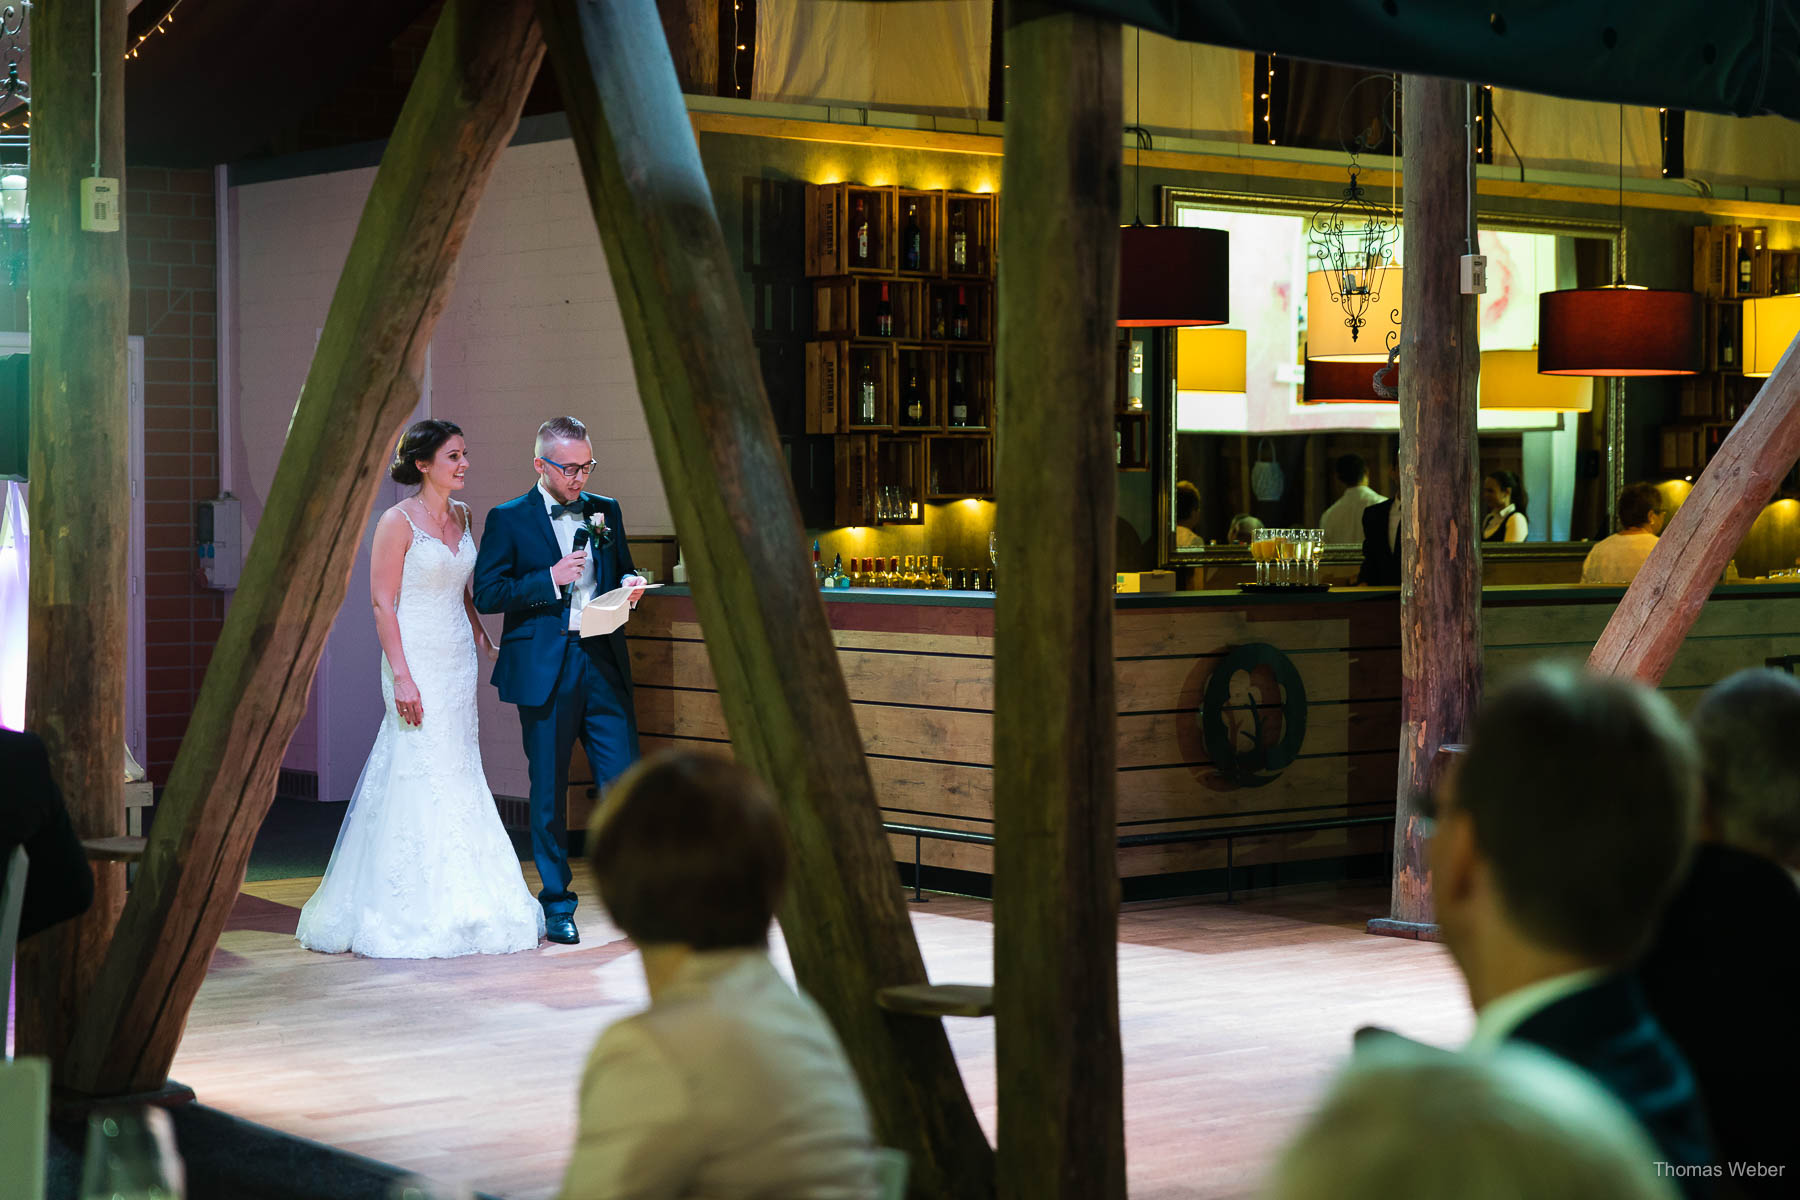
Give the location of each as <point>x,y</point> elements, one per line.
<point>692,27</point>
<point>783,692</point>
<point>1668,592</point>
<point>79,468</point>
<point>365,378</point>
<point>1440,535</point>
<point>1056,887</point>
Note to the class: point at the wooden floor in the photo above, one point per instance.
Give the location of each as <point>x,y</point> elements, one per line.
<point>1233,1017</point>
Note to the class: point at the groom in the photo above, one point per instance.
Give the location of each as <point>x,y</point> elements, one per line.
<point>543,556</point>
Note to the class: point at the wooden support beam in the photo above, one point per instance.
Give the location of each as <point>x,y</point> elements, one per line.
<point>364,382</point>
<point>1665,597</point>
<point>692,29</point>
<point>1056,886</point>
<point>1440,535</point>
<point>79,461</point>
<point>784,697</point>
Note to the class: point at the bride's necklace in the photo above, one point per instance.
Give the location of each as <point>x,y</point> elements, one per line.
<point>442,523</point>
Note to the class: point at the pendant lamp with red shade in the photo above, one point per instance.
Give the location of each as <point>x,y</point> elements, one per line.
<point>1619,330</point>
<point>1169,275</point>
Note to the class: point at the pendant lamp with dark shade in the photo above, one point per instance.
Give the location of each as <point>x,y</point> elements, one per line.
<point>1173,275</point>
<point>1619,331</point>
<point>1334,382</point>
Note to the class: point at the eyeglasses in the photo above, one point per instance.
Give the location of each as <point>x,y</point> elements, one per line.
<point>579,471</point>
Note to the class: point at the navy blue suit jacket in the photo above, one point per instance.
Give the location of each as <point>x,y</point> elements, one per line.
<point>512,576</point>
<point>1607,1030</point>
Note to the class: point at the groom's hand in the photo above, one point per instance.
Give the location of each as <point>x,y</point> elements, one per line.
<point>637,587</point>
<point>568,569</point>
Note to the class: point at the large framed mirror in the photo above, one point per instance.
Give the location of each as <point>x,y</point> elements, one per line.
<point>1256,435</point>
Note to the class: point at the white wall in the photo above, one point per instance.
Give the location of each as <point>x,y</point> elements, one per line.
<point>532,331</point>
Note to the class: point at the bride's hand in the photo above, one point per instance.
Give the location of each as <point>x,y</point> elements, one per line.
<point>406,701</point>
<point>492,651</point>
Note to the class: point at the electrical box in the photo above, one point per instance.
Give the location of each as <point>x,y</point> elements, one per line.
<point>219,534</point>
<point>100,205</point>
<point>1474,274</point>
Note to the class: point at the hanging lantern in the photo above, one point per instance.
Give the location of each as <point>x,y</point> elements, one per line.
<point>14,188</point>
<point>1173,275</point>
<point>1330,337</point>
<point>1618,331</point>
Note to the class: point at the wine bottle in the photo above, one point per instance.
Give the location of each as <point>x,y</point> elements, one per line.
<point>884,315</point>
<point>915,405</point>
<point>959,394</point>
<point>937,316</point>
<point>818,568</point>
<point>865,409</point>
<point>959,238</point>
<point>912,240</point>
<point>1746,269</point>
<point>1727,338</point>
<point>859,232</point>
<point>959,317</point>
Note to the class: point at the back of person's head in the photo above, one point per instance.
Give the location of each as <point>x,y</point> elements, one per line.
<point>1243,529</point>
<point>1351,470</point>
<point>1187,501</point>
<point>1637,503</point>
<point>1748,727</point>
<point>1408,1122</point>
<point>1583,792</point>
<point>689,849</point>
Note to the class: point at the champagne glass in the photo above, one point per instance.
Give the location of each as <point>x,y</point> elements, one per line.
<point>131,1156</point>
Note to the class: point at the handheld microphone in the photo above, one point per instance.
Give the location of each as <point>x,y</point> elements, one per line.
<point>581,540</point>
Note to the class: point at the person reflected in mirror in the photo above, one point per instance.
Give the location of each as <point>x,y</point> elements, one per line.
<point>1503,500</point>
<point>1342,521</point>
<point>1187,516</point>
<point>1616,559</point>
<point>1244,529</point>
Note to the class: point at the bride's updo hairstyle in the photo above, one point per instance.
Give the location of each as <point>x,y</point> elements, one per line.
<point>420,444</point>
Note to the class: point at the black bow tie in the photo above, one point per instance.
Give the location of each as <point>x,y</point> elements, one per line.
<point>574,510</point>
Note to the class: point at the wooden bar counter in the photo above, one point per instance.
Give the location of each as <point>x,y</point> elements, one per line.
<point>1302,729</point>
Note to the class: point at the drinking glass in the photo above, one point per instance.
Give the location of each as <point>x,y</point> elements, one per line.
<point>418,1187</point>
<point>131,1156</point>
<point>1318,553</point>
<point>1259,555</point>
<point>993,549</point>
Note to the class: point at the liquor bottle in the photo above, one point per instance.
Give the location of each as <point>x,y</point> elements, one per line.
<point>1134,398</point>
<point>865,409</point>
<point>959,238</point>
<point>915,404</point>
<point>909,573</point>
<point>884,315</point>
<point>937,317</point>
<point>884,572</point>
<point>959,394</point>
<point>838,578</point>
<point>1746,269</point>
<point>938,581</point>
<point>959,317</point>
<point>912,240</point>
<point>859,233</point>
<point>855,573</point>
<point>870,576</point>
<point>1727,340</point>
<point>818,567</point>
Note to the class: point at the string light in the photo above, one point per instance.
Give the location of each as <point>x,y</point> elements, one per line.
<point>1662,119</point>
<point>737,8</point>
<point>1268,99</point>
<point>162,26</point>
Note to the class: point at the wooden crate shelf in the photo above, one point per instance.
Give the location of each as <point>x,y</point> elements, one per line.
<point>920,232</point>
<point>850,229</point>
<point>971,220</point>
<point>836,373</point>
<point>918,384</point>
<point>853,306</point>
<point>958,466</point>
<point>968,380</point>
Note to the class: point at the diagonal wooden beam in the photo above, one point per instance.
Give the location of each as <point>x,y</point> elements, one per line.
<point>1666,596</point>
<point>1056,886</point>
<point>80,505</point>
<point>365,378</point>
<point>784,696</point>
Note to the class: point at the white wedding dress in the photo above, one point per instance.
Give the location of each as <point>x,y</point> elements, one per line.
<point>423,867</point>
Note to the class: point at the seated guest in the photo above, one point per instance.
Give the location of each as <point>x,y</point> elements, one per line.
<point>1342,522</point>
<point>1616,559</point>
<point>1560,833</point>
<point>1503,500</point>
<point>1244,529</point>
<point>1723,973</point>
<point>1409,1122</point>
<point>59,884</point>
<point>729,1084</point>
<point>1187,515</point>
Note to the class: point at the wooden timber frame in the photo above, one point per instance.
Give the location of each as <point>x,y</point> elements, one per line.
<point>844,920</point>
<point>1056,886</point>
<point>1440,535</point>
<point>365,380</point>
<point>79,456</point>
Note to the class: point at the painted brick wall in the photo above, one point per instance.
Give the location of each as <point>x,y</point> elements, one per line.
<point>170,242</point>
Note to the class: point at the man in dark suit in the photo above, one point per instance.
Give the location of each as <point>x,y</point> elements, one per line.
<point>1723,973</point>
<point>1558,837</point>
<point>543,556</point>
<point>59,883</point>
<point>1381,546</point>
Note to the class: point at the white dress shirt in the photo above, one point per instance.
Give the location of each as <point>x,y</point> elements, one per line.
<point>565,524</point>
<point>1342,522</point>
<point>1616,559</point>
<point>730,1086</point>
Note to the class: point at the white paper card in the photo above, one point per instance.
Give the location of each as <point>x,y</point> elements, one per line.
<point>605,613</point>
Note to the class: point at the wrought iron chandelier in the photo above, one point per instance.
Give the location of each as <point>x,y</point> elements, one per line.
<point>1353,240</point>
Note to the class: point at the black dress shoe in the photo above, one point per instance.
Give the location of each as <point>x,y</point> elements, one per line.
<point>560,927</point>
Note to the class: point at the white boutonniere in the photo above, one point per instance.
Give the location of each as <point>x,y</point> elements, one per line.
<point>596,527</point>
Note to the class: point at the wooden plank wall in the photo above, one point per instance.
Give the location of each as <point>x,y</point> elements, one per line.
<point>921,679</point>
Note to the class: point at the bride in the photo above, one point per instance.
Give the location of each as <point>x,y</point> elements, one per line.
<point>422,867</point>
